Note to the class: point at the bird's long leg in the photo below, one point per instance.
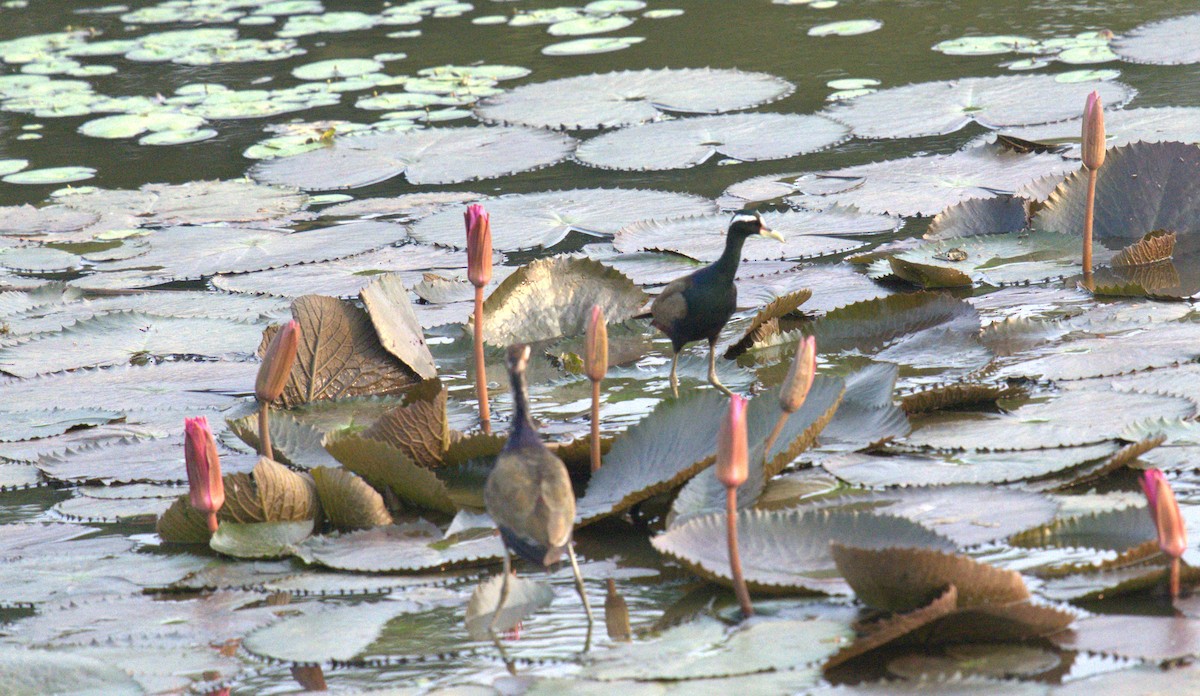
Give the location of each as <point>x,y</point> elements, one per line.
<point>712,367</point>
<point>587,607</point>
<point>675,377</point>
<point>512,668</point>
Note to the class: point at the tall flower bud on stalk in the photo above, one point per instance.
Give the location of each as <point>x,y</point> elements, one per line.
<point>273,376</point>
<point>1172,535</point>
<point>1093,159</point>
<point>479,272</point>
<point>795,387</point>
<point>205,486</point>
<point>595,364</point>
<point>733,468</point>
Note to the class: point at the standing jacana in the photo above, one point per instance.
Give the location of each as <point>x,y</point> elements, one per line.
<point>529,496</point>
<point>698,305</point>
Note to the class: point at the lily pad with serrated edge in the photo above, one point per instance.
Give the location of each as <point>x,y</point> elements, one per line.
<point>968,515</point>
<point>340,354</point>
<point>1112,530</point>
<point>419,428</point>
<point>1122,127</point>
<point>128,460</point>
<point>29,425</point>
<point>25,671</point>
<point>348,502</point>
<point>325,634</point>
<point>927,184</point>
<point>1015,258</point>
<point>82,509</point>
<point>704,493</point>
<point>259,539</point>
<point>959,395</point>
<point>807,234</point>
<point>426,156</point>
<point>688,142</point>
<point>386,465</point>
<point>1161,42</point>
<point>1105,350</point>
<point>119,338</point>
<point>985,660</point>
<point>630,97</point>
<point>192,203</point>
<point>403,548</point>
<point>15,477</point>
<point>186,253</point>
<point>706,648</point>
<point>888,630</point>
<point>933,108</point>
<point>904,579</point>
<point>1143,186</point>
<point>873,324</point>
<point>543,219</point>
<point>388,304</point>
<point>979,216</point>
<point>867,415</point>
<point>344,278</point>
<point>549,298</point>
<point>525,596</point>
<point>183,524</point>
<point>969,467</point>
<point>787,551</point>
<point>1149,638</point>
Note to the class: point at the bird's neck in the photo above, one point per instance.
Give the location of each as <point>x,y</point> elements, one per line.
<point>523,431</point>
<point>726,266</point>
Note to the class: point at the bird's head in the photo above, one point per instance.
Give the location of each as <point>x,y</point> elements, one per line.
<point>518,358</point>
<point>748,223</point>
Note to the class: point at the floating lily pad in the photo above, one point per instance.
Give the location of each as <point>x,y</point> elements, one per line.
<point>525,596</point>
<point>807,234</point>
<point>592,45</point>
<point>927,184</point>
<point>554,297</point>
<point>185,253</point>
<point>125,337</point>
<point>692,141</point>
<point>993,259</point>
<point>524,221</point>
<point>788,551</point>
<point>1122,127</point>
<point>29,425</point>
<point>336,633</point>
<point>630,97</point>
<point>891,629</point>
<point>337,68</point>
<point>411,547</point>
<point>1151,638</point>
<point>850,27</point>
<point>1161,42</point>
<point>52,175</point>
<point>1112,530</point>
<point>191,386</point>
<point>932,108</point>
<point>705,649</point>
<point>1104,349</point>
<point>259,539</point>
<point>44,671</point>
<point>428,156</point>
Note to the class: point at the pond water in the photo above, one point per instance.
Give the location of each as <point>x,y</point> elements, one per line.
<point>129,301</point>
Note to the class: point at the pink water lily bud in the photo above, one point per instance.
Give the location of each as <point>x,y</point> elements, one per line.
<point>479,245</point>
<point>205,486</point>
<point>595,355</point>
<point>1172,534</point>
<point>1093,132</point>
<point>277,363</point>
<point>800,377</point>
<point>733,451</point>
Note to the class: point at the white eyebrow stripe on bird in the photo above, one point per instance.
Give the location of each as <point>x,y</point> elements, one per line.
<point>746,217</point>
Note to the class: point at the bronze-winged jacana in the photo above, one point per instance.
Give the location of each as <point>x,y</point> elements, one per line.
<point>698,305</point>
<point>529,496</point>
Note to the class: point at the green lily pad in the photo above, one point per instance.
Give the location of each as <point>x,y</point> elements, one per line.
<point>592,45</point>
<point>932,108</point>
<point>630,97</point>
<point>404,548</point>
<point>524,221</point>
<point>45,671</point>
<point>849,27</point>
<point>786,552</point>
<point>52,175</point>
<point>260,539</point>
<point>427,156</point>
<point>337,68</point>
<point>692,141</point>
<point>1015,258</point>
<point>335,633</point>
<point>553,297</point>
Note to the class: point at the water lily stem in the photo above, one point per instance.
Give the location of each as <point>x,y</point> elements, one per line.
<point>735,560</point>
<point>264,431</point>
<point>1088,214</point>
<point>595,425</point>
<point>1174,578</point>
<point>783,418</point>
<point>481,390</point>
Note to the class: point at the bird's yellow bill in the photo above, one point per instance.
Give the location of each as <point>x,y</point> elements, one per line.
<point>771,233</point>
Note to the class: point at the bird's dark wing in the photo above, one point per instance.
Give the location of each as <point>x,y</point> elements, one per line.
<point>670,306</point>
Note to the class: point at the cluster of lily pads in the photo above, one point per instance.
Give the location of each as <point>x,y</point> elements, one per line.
<point>975,428</point>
